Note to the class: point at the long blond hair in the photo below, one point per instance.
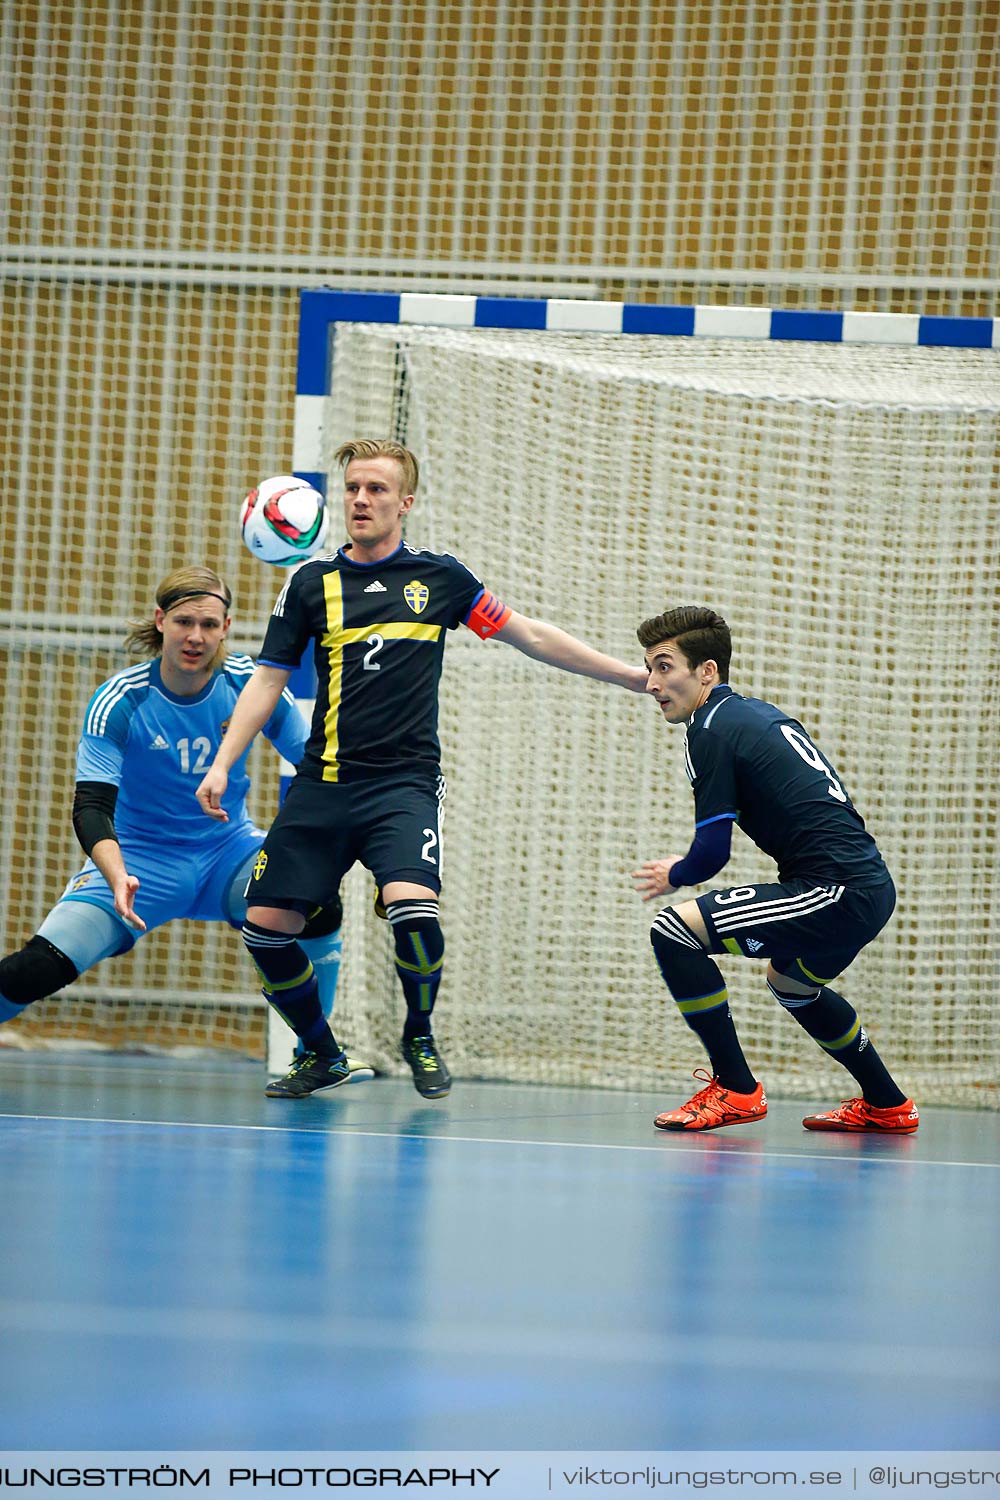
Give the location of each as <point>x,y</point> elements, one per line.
<point>144,637</point>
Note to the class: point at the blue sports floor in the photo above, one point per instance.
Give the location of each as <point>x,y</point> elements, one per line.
<point>189,1265</point>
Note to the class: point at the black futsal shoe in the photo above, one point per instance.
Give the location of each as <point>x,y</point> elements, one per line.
<point>309,1074</point>
<point>430,1075</point>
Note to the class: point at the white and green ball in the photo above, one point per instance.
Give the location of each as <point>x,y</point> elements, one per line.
<point>284,521</point>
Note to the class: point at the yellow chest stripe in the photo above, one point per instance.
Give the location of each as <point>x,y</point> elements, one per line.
<point>391,630</point>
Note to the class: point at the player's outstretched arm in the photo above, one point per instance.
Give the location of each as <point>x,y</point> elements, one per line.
<point>107,856</point>
<point>254,707</point>
<point>94,825</point>
<point>548,644</point>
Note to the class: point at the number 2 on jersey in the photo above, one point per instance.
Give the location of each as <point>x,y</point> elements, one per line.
<point>376,642</point>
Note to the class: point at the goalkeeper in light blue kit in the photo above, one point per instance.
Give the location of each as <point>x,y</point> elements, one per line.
<point>149,733</point>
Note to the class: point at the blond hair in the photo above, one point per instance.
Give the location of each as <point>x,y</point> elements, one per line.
<point>145,638</point>
<point>409,469</point>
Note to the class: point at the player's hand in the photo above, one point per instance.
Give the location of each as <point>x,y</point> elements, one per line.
<point>653,878</point>
<point>638,680</point>
<point>125,902</point>
<point>211,792</point>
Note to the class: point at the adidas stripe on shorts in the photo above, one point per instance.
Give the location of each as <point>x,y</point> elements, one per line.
<point>823,924</point>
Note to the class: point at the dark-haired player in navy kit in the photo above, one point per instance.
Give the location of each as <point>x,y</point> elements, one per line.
<point>369,785</point>
<point>750,763</point>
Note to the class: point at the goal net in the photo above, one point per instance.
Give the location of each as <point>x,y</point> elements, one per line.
<point>837,503</point>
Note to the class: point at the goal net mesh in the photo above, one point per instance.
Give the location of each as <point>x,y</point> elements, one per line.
<point>138,416</point>
<point>837,503</point>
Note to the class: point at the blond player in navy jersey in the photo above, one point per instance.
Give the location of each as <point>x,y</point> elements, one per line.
<point>751,764</point>
<point>369,785</point>
<point>149,732</point>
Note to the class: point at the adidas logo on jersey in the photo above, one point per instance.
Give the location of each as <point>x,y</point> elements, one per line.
<point>754,945</point>
<point>159,743</point>
<point>376,588</point>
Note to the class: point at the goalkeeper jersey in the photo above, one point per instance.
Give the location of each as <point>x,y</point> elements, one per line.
<point>155,747</point>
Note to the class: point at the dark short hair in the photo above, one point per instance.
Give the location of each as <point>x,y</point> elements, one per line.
<point>701,634</point>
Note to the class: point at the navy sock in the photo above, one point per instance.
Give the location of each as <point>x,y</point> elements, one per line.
<point>290,986</point>
<point>419,956</point>
<point>834,1023</point>
<point>699,990</point>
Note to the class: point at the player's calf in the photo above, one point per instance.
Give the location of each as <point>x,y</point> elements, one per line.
<point>419,944</point>
<point>699,991</point>
<point>835,1025</point>
<point>289,986</point>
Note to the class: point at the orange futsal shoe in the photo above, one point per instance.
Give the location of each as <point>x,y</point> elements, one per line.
<point>713,1106</point>
<point>858,1114</point>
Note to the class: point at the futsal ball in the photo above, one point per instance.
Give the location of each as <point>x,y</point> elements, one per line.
<point>284,520</point>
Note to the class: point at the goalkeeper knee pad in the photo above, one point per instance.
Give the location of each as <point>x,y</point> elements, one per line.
<point>34,972</point>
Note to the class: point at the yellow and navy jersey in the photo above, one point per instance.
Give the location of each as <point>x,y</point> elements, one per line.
<point>379,632</point>
<point>748,761</point>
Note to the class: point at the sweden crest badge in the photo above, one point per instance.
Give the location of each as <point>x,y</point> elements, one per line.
<point>416,595</point>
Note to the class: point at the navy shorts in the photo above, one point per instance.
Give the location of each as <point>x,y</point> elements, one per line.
<point>822,926</point>
<point>393,825</point>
